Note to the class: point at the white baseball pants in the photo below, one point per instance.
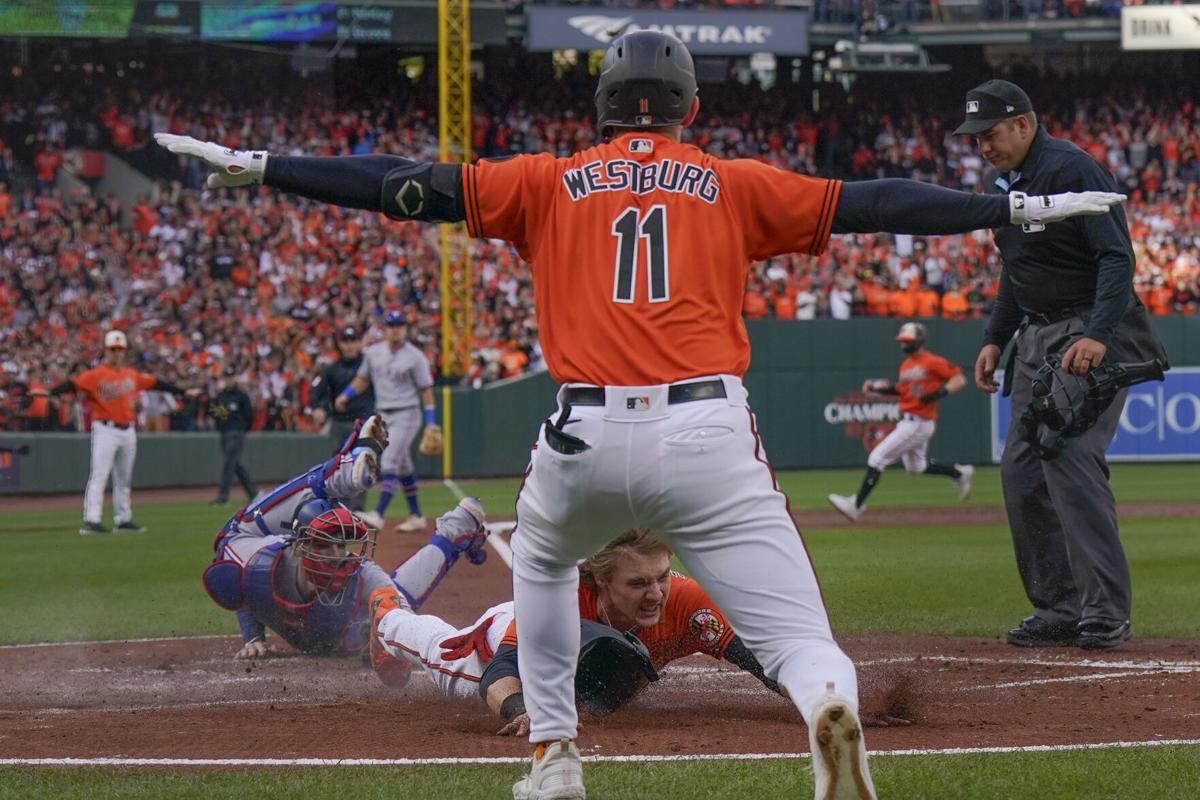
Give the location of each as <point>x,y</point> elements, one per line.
<point>908,442</point>
<point>422,640</point>
<point>697,473</point>
<point>403,425</point>
<point>113,451</point>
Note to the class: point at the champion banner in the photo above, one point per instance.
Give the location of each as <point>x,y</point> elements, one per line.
<point>1160,422</point>
<point>704,32</point>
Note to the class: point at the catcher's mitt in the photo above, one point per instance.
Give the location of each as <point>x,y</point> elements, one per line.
<point>613,667</point>
<point>432,442</point>
<point>1064,404</point>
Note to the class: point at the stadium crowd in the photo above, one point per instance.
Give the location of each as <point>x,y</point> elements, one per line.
<point>205,281</point>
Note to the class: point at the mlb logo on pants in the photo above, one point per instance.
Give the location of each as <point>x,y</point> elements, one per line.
<point>637,403</point>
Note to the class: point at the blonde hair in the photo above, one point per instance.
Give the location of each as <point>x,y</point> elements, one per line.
<point>604,563</point>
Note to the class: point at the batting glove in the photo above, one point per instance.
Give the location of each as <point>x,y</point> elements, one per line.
<point>1045,208</point>
<point>230,167</point>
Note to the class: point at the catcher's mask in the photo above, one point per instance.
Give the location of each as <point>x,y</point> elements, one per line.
<point>647,80</point>
<point>911,337</point>
<point>332,544</point>
<point>1064,404</point>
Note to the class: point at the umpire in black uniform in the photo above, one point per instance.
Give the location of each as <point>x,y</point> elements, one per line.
<point>234,413</point>
<point>1065,289</point>
<point>329,384</point>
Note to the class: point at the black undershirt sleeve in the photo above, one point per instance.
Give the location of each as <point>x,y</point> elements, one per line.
<point>904,206</point>
<point>350,181</point>
<point>739,655</point>
<point>166,386</point>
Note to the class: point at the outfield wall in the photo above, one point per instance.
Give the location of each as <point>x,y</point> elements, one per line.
<point>803,386</point>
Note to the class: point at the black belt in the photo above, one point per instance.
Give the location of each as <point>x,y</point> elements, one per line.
<point>126,426</point>
<point>1050,317</point>
<point>676,393</point>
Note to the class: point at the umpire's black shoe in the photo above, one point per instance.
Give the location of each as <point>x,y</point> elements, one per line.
<point>1037,632</point>
<point>1103,634</point>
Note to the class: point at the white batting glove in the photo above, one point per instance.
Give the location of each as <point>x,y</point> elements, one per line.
<point>230,167</point>
<point>1057,207</point>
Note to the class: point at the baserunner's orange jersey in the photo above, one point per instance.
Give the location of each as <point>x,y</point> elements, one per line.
<point>640,250</point>
<point>921,373</point>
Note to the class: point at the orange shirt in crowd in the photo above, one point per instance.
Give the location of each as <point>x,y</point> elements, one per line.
<point>903,304</point>
<point>112,391</point>
<point>649,240</point>
<point>927,302</point>
<point>755,305</point>
<point>1159,301</point>
<point>690,623</point>
<point>954,305</point>
<point>877,297</point>
<point>921,373</point>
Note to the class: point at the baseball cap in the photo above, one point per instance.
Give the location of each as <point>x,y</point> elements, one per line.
<point>348,332</point>
<point>395,317</point>
<point>115,339</point>
<point>991,102</point>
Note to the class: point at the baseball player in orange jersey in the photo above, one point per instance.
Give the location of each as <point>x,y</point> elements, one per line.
<point>628,585</point>
<point>112,387</point>
<point>925,378</point>
<point>640,248</point>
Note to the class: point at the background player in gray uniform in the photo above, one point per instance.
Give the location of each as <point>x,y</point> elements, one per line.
<point>299,562</point>
<point>399,373</point>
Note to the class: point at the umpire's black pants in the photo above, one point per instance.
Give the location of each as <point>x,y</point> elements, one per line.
<point>1062,512</point>
<point>232,443</point>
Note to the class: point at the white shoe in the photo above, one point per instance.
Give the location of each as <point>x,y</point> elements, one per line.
<point>839,755</point>
<point>965,473</point>
<point>372,519</point>
<point>848,505</point>
<point>556,775</point>
<point>375,428</point>
<point>413,523</point>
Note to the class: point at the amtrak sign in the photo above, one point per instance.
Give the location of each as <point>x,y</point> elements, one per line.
<point>704,32</point>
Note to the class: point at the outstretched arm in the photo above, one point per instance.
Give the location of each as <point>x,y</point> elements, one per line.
<point>906,206</point>
<point>399,187</point>
<point>739,655</point>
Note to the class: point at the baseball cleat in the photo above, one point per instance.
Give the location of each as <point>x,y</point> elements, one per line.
<point>92,529</point>
<point>1037,632</point>
<point>375,428</point>
<point>372,519</point>
<point>463,527</point>
<point>963,482</point>
<point>365,472</point>
<point>413,523</point>
<point>129,526</point>
<point>839,754</point>
<point>848,506</point>
<point>555,774</point>
<point>1103,635</point>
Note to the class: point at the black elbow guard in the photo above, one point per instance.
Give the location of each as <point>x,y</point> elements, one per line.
<point>424,192</point>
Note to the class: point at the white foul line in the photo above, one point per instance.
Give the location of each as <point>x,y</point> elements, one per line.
<point>619,759</point>
<point>497,542</point>
<point>119,641</point>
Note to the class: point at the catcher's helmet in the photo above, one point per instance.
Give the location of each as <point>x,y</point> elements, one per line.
<point>332,544</point>
<point>647,80</point>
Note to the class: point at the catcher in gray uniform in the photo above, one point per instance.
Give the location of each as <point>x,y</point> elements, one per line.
<point>399,373</point>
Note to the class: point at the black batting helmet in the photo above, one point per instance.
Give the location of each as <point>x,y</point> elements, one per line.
<point>647,80</point>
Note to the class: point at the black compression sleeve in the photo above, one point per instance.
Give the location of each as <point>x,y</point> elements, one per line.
<point>351,181</point>
<point>166,386</point>
<point>739,655</point>
<point>903,206</point>
<point>502,665</point>
<point>63,388</point>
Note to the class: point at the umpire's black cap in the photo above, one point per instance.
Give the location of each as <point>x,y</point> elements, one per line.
<point>647,80</point>
<point>991,102</point>
<point>348,333</point>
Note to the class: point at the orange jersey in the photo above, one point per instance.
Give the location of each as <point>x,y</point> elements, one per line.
<point>112,391</point>
<point>640,250</point>
<point>922,373</point>
<point>690,623</point>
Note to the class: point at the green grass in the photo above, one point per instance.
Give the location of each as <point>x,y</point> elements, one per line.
<point>942,580</point>
<point>1160,773</point>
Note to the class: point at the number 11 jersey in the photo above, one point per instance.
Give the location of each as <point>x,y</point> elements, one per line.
<point>640,250</point>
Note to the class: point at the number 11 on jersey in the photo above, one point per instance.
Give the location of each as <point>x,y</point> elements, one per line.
<point>630,227</point>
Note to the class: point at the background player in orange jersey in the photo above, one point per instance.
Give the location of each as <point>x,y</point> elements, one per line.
<point>112,387</point>
<point>925,378</point>
<point>640,249</point>
<point>628,585</point>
